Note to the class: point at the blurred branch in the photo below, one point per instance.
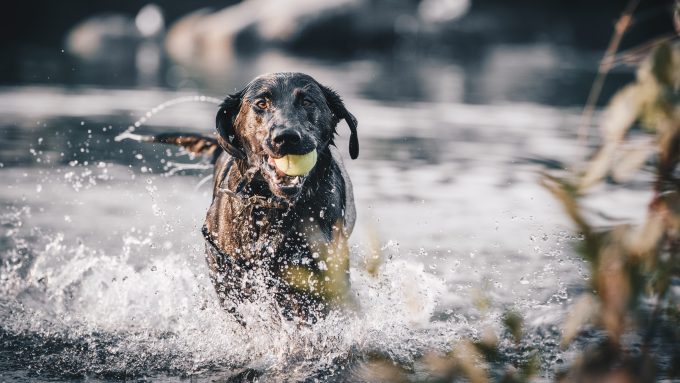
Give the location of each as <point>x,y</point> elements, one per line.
<point>631,269</point>
<point>635,55</point>
<point>605,65</point>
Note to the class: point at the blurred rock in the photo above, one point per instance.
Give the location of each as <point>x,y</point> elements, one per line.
<point>333,26</point>
<point>117,47</point>
<point>181,39</point>
<point>439,11</point>
<point>102,36</point>
<point>454,28</point>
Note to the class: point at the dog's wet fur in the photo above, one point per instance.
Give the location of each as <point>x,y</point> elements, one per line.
<point>264,225</point>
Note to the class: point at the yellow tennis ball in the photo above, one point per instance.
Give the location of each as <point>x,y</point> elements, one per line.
<point>296,164</point>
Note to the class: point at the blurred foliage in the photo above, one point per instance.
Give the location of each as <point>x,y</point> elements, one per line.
<point>477,361</point>
<point>626,328</point>
<point>331,278</point>
<point>633,305</point>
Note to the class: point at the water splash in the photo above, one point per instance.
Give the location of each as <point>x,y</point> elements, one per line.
<point>78,310</point>
<point>128,133</point>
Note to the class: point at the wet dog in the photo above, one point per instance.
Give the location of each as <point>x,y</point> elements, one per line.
<point>282,205</point>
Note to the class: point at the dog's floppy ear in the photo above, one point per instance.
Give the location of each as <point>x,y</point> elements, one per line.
<point>341,113</point>
<point>224,122</point>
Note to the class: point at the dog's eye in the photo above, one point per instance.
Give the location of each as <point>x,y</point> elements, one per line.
<point>262,104</point>
<point>306,102</point>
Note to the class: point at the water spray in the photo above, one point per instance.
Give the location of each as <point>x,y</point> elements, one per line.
<point>128,133</point>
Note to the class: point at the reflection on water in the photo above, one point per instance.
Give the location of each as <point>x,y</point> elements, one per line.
<point>102,262</point>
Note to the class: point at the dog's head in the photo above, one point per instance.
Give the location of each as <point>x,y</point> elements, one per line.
<point>282,114</point>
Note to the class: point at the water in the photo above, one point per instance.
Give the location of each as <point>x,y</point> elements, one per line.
<point>103,273</point>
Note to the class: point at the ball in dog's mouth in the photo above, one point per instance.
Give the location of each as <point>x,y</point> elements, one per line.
<point>288,173</point>
<point>296,164</point>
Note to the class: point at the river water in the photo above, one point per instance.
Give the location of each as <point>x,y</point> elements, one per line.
<point>103,275</point>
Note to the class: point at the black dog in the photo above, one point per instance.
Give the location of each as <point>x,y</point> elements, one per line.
<point>266,225</point>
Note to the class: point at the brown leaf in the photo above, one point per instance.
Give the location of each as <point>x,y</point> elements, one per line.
<point>676,17</point>
<point>645,240</point>
<point>379,371</point>
<point>565,193</point>
<point>441,366</point>
<point>582,312</point>
<point>599,167</point>
<point>613,282</point>
<point>662,65</point>
<point>513,322</point>
<point>470,363</point>
<point>623,110</point>
<point>629,162</point>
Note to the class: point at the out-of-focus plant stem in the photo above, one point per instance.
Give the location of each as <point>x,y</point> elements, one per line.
<point>605,65</point>
<point>632,271</point>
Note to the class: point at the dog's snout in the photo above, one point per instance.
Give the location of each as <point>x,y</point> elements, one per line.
<point>286,136</point>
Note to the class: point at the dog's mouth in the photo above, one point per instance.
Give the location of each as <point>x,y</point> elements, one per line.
<point>280,183</point>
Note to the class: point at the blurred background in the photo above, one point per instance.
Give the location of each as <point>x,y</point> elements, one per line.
<point>460,104</point>
<point>440,50</point>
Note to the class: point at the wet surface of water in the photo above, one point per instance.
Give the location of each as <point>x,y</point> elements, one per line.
<point>103,273</point>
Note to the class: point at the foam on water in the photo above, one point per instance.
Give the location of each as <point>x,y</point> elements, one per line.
<point>119,314</point>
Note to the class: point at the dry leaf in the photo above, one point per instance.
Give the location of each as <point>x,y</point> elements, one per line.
<point>629,162</point>
<point>622,111</point>
<point>580,314</point>
<point>599,167</point>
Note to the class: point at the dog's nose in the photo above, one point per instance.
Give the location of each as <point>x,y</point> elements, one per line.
<point>283,137</point>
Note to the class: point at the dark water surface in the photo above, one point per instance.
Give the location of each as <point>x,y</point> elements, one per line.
<point>102,271</point>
